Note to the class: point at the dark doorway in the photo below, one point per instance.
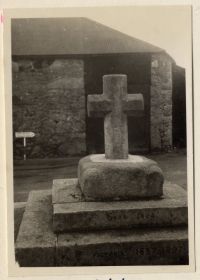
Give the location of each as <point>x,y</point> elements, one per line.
<point>179,107</point>
<point>137,69</point>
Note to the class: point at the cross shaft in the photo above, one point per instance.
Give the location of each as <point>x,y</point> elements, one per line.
<point>114,105</point>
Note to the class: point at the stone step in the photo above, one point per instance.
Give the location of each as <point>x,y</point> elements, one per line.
<point>38,246</point>
<point>35,244</point>
<point>19,208</point>
<point>72,213</point>
<point>123,247</point>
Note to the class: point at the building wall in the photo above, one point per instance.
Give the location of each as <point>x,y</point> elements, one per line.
<point>49,100</point>
<point>161,102</point>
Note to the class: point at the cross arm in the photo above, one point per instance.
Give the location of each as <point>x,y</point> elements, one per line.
<point>133,105</point>
<point>98,105</point>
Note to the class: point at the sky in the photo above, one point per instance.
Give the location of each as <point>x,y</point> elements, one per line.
<point>168,27</point>
<point>165,27</point>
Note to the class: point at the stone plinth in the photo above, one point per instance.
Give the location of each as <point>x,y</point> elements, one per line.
<point>18,214</point>
<point>35,245</point>
<point>72,213</point>
<point>130,247</point>
<point>66,190</point>
<point>122,179</point>
<point>38,246</point>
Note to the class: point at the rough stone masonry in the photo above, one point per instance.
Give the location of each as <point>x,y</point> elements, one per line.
<point>49,99</point>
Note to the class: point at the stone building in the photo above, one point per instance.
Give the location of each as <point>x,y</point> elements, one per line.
<point>57,62</point>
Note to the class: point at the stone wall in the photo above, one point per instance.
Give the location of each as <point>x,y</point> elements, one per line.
<point>161,102</point>
<point>49,100</point>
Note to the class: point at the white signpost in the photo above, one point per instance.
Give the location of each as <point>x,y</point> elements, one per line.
<point>24,135</point>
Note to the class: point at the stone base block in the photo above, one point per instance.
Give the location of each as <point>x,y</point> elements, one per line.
<point>104,179</point>
<point>79,215</point>
<point>38,246</point>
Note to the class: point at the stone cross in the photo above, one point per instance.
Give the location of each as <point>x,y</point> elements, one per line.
<point>114,105</point>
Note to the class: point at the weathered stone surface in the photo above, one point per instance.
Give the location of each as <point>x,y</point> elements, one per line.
<point>130,247</point>
<point>18,214</point>
<point>49,99</point>
<point>35,245</point>
<point>161,103</point>
<point>174,191</point>
<point>114,105</point>
<point>15,67</point>
<point>171,210</point>
<point>102,179</point>
<point>66,190</point>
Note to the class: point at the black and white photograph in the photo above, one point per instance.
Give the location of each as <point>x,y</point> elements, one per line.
<point>101,135</point>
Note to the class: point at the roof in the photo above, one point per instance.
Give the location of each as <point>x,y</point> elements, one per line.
<point>68,36</point>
